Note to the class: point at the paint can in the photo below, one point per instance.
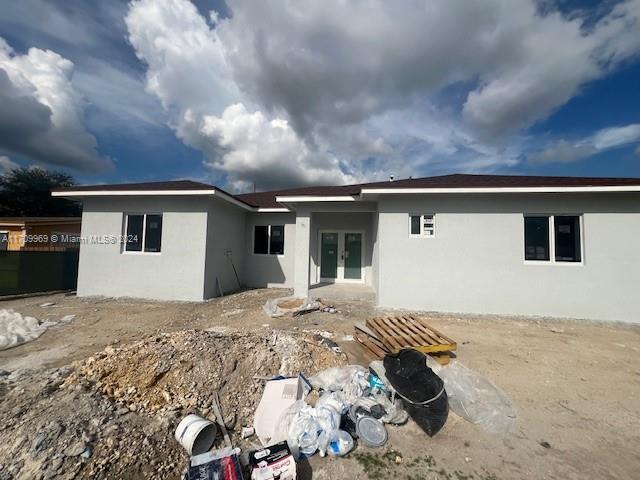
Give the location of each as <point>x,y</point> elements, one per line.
<point>196,434</point>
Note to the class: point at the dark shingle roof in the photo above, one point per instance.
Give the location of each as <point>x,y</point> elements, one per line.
<point>268,199</point>
<point>145,186</point>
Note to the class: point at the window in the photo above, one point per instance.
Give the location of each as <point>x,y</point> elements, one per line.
<point>567,236</point>
<point>536,238</point>
<point>268,240</point>
<point>553,238</point>
<point>143,233</point>
<point>422,225</point>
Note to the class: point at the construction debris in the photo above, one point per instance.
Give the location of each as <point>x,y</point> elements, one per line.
<point>294,306</point>
<point>113,415</point>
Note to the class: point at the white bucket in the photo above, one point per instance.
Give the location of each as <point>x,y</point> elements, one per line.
<point>196,434</point>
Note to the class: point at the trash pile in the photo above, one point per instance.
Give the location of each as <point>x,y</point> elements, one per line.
<point>327,413</point>
<point>294,306</point>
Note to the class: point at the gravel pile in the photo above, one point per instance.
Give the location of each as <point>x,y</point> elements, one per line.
<point>113,414</point>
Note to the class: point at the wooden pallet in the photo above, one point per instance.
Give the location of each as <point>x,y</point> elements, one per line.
<point>407,331</point>
<point>370,340</point>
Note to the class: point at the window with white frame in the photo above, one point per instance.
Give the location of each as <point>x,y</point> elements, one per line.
<point>553,238</point>
<point>143,232</point>
<point>422,225</point>
<point>268,240</point>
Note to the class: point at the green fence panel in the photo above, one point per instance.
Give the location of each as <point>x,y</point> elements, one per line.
<point>27,272</point>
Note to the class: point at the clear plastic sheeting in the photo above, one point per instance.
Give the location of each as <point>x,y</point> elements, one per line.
<point>16,329</point>
<point>278,307</point>
<point>475,398</point>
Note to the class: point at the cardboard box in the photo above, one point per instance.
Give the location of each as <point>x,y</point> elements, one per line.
<point>278,395</point>
<point>225,468</point>
<point>221,464</point>
<point>274,462</point>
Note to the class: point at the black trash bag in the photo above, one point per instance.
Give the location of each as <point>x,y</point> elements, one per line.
<point>421,390</point>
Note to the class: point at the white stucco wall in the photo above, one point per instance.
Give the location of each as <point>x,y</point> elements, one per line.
<point>475,263</point>
<point>177,273</point>
<point>270,270</point>
<point>225,244</point>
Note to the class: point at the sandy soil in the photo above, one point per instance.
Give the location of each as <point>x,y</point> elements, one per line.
<point>575,384</point>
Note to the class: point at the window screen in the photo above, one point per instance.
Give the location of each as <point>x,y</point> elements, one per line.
<point>276,240</point>
<point>261,239</point>
<point>536,238</point>
<point>153,233</point>
<point>567,235</point>
<point>134,233</point>
<point>415,225</point>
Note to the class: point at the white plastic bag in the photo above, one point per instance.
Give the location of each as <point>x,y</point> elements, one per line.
<point>299,427</point>
<point>352,380</point>
<point>335,443</point>
<point>474,397</point>
<point>335,400</point>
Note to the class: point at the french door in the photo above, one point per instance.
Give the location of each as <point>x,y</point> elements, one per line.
<point>341,256</point>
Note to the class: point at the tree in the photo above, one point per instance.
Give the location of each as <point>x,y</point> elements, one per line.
<point>26,192</point>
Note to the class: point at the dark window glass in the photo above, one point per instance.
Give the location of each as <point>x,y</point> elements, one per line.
<point>536,238</point>
<point>567,233</point>
<point>134,233</point>
<point>415,224</point>
<point>276,242</point>
<point>153,233</point>
<point>4,241</point>
<point>261,239</point>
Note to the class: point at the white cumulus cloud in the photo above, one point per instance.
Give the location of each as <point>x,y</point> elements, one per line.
<point>321,79</point>
<point>41,114</point>
<point>187,71</point>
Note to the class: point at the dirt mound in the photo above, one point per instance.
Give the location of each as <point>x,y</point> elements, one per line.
<point>113,415</point>
<point>182,370</point>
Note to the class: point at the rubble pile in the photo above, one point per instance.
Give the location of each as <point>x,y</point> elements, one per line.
<point>113,415</point>
<point>182,370</point>
<point>51,431</point>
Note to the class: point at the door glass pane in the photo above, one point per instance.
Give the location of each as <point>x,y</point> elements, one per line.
<point>567,233</point>
<point>4,241</point>
<point>261,239</point>
<point>536,238</point>
<point>153,233</point>
<point>277,240</point>
<point>329,254</point>
<point>353,255</point>
<point>134,233</point>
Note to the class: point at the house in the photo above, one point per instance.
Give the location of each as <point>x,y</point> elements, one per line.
<point>38,233</point>
<point>550,246</point>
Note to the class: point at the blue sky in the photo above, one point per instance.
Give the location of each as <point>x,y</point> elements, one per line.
<point>319,92</point>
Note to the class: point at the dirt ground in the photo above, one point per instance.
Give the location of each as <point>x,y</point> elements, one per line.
<point>575,384</point>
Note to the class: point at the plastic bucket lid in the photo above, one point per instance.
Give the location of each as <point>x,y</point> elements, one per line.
<point>371,431</point>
